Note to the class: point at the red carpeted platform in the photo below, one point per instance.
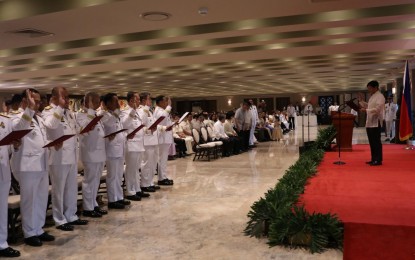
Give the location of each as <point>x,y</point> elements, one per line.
<point>377,204</point>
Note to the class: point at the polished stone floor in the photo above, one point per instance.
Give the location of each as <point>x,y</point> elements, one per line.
<point>201,217</point>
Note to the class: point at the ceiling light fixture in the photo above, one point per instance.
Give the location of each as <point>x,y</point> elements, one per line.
<point>155,16</point>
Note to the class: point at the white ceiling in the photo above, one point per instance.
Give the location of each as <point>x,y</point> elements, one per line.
<point>240,47</point>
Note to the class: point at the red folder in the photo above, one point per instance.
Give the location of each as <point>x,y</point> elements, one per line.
<point>91,125</point>
<point>158,121</point>
<point>132,134</point>
<point>59,140</point>
<point>116,132</point>
<point>14,136</point>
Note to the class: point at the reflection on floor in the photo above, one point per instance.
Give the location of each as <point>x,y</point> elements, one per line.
<point>201,217</point>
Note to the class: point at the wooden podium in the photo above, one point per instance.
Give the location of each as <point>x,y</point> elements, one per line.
<point>345,120</point>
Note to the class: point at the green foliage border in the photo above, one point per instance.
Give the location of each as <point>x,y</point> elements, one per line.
<point>278,215</point>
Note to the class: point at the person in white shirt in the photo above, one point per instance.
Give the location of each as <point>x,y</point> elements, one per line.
<point>63,162</point>
<point>390,116</point>
<point>291,116</point>
<point>308,109</point>
<point>374,119</point>
<point>333,108</point>
<point>131,120</point>
<point>5,181</point>
<point>30,167</point>
<point>150,156</point>
<point>219,134</point>
<point>92,155</point>
<point>254,122</point>
<point>115,150</point>
<point>165,137</point>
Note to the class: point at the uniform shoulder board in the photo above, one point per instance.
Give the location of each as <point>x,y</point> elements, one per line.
<point>48,108</point>
<point>124,108</point>
<point>82,110</point>
<point>14,112</point>
<point>4,115</point>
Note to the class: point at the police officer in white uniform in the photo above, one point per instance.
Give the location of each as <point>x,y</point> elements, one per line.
<point>135,147</point>
<point>5,181</point>
<point>93,156</point>
<point>114,147</point>
<point>255,119</point>
<point>165,137</point>
<point>150,156</point>
<point>30,166</point>
<point>63,162</point>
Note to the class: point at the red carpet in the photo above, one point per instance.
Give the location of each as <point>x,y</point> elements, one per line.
<point>377,204</point>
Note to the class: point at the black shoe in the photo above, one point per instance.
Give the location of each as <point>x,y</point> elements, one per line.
<point>65,227</point>
<point>100,211</point>
<point>148,189</point>
<point>33,241</point>
<point>9,252</point>
<point>155,187</point>
<point>124,202</point>
<point>79,222</point>
<point>165,182</point>
<point>91,214</point>
<point>142,194</point>
<point>375,163</point>
<point>133,197</point>
<point>369,162</point>
<point>115,205</point>
<point>46,237</point>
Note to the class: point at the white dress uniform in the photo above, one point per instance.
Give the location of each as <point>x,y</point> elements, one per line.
<point>93,156</point>
<point>255,119</point>
<point>115,155</point>
<point>63,163</point>
<point>165,140</point>
<point>135,148</point>
<point>5,179</point>
<point>150,156</point>
<point>30,165</point>
<point>390,115</point>
<point>185,126</point>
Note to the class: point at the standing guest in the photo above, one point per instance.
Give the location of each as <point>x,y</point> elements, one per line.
<point>5,182</point>
<point>63,162</point>
<point>150,156</point>
<point>390,116</point>
<point>165,137</point>
<point>114,147</point>
<point>135,148</point>
<point>308,109</point>
<point>92,153</point>
<point>254,122</point>
<point>243,124</point>
<point>291,116</point>
<point>30,166</point>
<point>375,111</point>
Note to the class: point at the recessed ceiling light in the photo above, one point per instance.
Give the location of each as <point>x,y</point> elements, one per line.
<point>155,16</point>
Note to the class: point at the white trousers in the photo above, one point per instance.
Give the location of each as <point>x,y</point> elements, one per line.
<point>252,138</point>
<point>115,171</point>
<point>163,158</point>
<point>390,127</point>
<point>33,201</point>
<point>132,172</point>
<point>148,165</point>
<point>4,194</point>
<point>189,144</point>
<point>64,193</point>
<point>90,184</point>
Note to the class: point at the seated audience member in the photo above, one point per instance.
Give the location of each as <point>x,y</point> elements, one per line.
<point>219,134</point>
<point>231,133</point>
<point>184,143</point>
<point>198,123</point>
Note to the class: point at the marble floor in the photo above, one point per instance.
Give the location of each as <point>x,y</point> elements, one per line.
<point>201,217</point>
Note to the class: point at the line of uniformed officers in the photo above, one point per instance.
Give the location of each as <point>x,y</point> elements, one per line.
<point>33,165</point>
